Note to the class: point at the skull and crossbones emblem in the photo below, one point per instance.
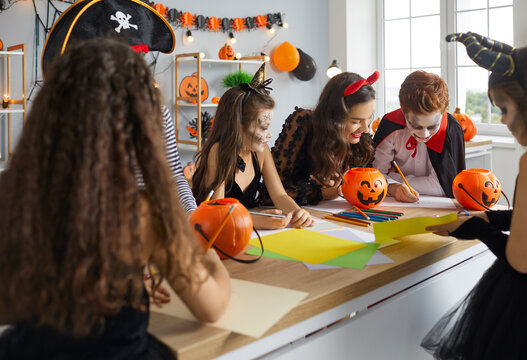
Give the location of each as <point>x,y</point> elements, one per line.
<point>123,21</point>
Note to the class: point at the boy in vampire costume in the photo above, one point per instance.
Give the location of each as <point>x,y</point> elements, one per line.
<point>422,138</point>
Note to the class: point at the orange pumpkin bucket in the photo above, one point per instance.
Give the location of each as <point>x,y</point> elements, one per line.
<point>226,223</point>
<point>364,187</point>
<point>476,189</point>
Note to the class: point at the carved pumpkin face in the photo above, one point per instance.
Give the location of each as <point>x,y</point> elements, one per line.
<point>237,231</point>
<point>226,52</point>
<point>474,188</point>
<point>189,88</point>
<point>364,187</point>
<point>469,128</point>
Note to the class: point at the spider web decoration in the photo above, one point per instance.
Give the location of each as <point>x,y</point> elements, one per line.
<point>206,125</point>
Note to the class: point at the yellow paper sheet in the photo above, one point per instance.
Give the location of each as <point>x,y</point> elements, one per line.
<point>254,308</point>
<point>389,230</point>
<point>308,246</point>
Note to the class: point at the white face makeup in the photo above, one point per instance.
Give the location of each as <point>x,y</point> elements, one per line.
<point>259,133</point>
<point>510,115</point>
<point>358,122</point>
<point>423,126</point>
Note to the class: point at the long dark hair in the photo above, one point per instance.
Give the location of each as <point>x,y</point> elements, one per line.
<point>237,110</point>
<point>70,206</point>
<point>330,151</point>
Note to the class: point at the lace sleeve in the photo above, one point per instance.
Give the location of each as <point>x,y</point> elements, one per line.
<point>292,160</point>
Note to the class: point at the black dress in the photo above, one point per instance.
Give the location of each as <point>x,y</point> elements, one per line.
<point>488,323</point>
<point>124,337</point>
<point>249,198</point>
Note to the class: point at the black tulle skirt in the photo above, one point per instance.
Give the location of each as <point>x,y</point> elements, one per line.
<point>488,323</point>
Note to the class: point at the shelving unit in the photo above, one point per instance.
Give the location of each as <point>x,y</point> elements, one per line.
<point>183,102</point>
<point>17,51</point>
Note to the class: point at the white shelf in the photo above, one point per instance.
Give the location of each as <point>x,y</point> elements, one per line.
<point>196,105</point>
<point>12,111</point>
<point>7,53</point>
<point>219,61</point>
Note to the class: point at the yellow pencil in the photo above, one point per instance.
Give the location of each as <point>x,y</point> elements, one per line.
<point>220,228</point>
<point>362,213</point>
<point>329,217</point>
<point>401,173</point>
<point>210,195</point>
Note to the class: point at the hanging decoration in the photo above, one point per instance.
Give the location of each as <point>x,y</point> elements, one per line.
<point>206,125</point>
<point>185,19</point>
<point>286,57</point>
<point>307,67</point>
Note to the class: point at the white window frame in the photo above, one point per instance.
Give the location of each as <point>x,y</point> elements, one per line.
<point>448,60</point>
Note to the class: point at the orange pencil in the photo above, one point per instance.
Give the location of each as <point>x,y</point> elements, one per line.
<point>329,217</point>
<point>360,212</point>
<point>220,228</point>
<point>401,173</point>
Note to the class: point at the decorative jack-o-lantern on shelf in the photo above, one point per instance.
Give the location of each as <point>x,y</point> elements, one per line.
<point>192,83</point>
<point>476,189</point>
<point>364,187</point>
<point>469,128</point>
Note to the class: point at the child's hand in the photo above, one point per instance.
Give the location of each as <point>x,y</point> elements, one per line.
<point>270,223</point>
<point>301,218</point>
<point>401,192</point>
<point>162,295</point>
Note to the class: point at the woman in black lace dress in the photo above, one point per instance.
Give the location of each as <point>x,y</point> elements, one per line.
<point>489,322</point>
<point>77,230</point>
<point>317,147</point>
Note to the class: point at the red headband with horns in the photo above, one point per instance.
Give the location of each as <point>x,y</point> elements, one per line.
<point>360,83</point>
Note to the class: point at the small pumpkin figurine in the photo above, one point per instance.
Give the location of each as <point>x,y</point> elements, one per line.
<point>1,45</point>
<point>215,100</point>
<point>469,128</point>
<point>364,187</point>
<point>476,189</point>
<point>375,125</point>
<point>188,87</point>
<point>226,52</point>
<point>188,171</point>
<point>235,234</point>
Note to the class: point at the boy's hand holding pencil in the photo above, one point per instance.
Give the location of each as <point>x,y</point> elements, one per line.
<point>402,192</point>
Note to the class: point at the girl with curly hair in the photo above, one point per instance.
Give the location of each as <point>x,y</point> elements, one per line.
<point>77,230</point>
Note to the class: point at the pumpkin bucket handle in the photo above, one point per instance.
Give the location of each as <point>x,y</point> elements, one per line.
<point>460,185</point>
<point>198,229</point>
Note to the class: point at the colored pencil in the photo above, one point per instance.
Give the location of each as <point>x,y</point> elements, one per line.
<point>220,228</point>
<point>401,173</point>
<point>359,216</point>
<point>383,212</point>
<point>360,211</point>
<point>210,195</point>
<point>372,216</point>
<point>267,214</point>
<point>329,217</point>
<point>347,218</point>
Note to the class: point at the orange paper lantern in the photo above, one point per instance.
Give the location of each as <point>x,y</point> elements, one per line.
<point>286,57</point>
<point>476,189</point>
<point>469,128</point>
<point>236,233</point>
<point>364,187</point>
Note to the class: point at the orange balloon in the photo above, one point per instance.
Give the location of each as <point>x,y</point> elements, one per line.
<point>286,57</point>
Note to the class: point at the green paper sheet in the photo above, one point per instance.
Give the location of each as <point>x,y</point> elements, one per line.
<point>389,230</point>
<point>305,245</point>
<point>356,259</point>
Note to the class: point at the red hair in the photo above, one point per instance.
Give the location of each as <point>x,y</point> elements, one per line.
<point>423,92</point>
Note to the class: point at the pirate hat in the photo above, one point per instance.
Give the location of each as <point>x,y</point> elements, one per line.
<point>133,21</point>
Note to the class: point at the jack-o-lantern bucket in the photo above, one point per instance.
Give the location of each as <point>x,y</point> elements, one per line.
<point>476,189</point>
<point>364,187</point>
<point>236,232</point>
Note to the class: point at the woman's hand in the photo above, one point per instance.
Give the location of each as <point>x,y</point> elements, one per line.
<point>447,229</point>
<point>261,222</point>
<point>301,218</point>
<point>162,295</point>
<point>402,193</point>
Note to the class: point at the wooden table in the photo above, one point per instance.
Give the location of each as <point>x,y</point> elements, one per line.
<point>333,294</point>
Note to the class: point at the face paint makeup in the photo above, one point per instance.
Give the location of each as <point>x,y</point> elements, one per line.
<point>423,126</point>
<point>259,133</point>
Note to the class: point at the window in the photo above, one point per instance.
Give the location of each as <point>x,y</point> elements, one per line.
<point>413,33</point>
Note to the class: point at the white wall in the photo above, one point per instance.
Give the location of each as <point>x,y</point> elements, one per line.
<point>308,30</point>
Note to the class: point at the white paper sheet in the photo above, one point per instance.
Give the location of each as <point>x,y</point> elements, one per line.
<point>425,201</point>
<point>332,206</point>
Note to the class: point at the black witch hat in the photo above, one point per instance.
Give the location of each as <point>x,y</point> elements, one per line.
<point>133,21</point>
<point>489,54</point>
<point>259,83</point>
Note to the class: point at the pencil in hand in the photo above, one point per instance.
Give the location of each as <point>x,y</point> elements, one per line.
<point>404,179</point>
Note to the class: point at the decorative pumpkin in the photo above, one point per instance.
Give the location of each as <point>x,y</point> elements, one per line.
<point>1,45</point>
<point>469,128</point>
<point>215,99</point>
<point>286,57</point>
<point>236,233</point>
<point>188,171</point>
<point>364,187</point>
<point>226,52</point>
<point>476,189</point>
<point>375,125</point>
<point>189,88</point>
